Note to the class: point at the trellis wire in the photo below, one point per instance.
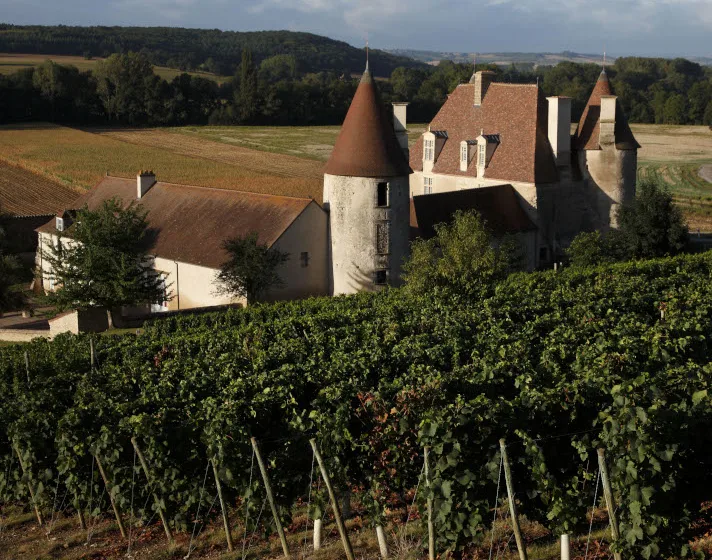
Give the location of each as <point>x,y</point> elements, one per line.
<point>59,510</point>
<point>197,515</point>
<point>496,503</point>
<point>247,504</point>
<point>133,518</point>
<point>306,526</point>
<point>593,508</point>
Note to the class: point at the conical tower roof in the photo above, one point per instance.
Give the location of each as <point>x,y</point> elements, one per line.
<point>367,145</point>
<point>587,133</point>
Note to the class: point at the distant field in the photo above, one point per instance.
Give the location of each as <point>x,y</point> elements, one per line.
<point>675,154</point>
<point>79,159</point>
<point>10,63</point>
<point>23,193</point>
<point>289,160</point>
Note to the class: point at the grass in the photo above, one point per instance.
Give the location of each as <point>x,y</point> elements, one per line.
<point>10,63</point>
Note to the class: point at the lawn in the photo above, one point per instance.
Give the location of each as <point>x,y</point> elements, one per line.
<point>10,63</point>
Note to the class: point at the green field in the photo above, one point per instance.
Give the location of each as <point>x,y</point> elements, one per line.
<point>10,63</point>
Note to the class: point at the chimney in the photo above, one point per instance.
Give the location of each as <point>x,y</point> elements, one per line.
<point>482,81</point>
<point>144,181</point>
<point>400,126</point>
<point>608,120</point>
<point>559,128</point>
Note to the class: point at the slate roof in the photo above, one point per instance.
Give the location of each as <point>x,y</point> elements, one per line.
<point>190,223</point>
<point>588,131</point>
<point>499,206</point>
<point>367,144</point>
<point>515,112</point>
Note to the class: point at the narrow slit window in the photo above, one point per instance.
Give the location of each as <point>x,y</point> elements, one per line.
<point>381,277</point>
<point>382,199</point>
<point>304,259</point>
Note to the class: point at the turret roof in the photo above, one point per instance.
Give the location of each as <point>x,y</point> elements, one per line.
<point>587,133</point>
<point>367,145</point>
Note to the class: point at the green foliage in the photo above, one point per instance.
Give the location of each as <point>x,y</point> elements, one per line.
<point>588,249</point>
<point>651,225</point>
<point>11,274</point>
<point>101,260</point>
<point>558,363</point>
<point>463,257</point>
<point>251,269</point>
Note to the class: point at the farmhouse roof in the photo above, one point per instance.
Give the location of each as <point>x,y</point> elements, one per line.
<point>588,131</point>
<point>517,113</point>
<point>367,144</point>
<point>190,224</point>
<point>499,207</point>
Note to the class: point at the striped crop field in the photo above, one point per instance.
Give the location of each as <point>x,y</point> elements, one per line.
<point>79,159</point>
<point>23,193</point>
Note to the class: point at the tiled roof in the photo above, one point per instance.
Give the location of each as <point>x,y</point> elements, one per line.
<point>367,145</point>
<point>588,131</point>
<point>191,223</point>
<point>499,206</point>
<point>517,113</point>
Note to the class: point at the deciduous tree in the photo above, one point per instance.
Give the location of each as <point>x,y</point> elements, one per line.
<point>101,261</point>
<point>251,269</point>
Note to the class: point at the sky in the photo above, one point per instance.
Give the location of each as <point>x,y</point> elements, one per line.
<point>621,27</point>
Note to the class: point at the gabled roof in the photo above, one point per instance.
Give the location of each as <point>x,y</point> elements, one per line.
<point>515,112</point>
<point>589,128</point>
<point>499,207</point>
<point>367,145</point>
<point>190,223</point>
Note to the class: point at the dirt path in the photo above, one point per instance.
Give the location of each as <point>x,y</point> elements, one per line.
<point>706,173</point>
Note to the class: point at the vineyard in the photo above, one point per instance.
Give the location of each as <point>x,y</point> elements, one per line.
<point>558,364</point>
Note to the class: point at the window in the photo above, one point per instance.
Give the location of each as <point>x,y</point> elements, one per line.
<point>60,224</point>
<point>304,259</point>
<point>381,277</point>
<point>429,150</point>
<point>383,234</point>
<point>382,197</point>
<point>463,153</point>
<point>543,254</point>
<point>427,185</point>
<point>482,153</point>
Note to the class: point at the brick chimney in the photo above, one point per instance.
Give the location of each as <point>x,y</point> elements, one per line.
<point>608,120</point>
<point>482,81</point>
<point>144,181</point>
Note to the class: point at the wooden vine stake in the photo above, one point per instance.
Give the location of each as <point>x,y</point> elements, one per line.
<point>226,521</point>
<point>270,498</point>
<point>27,367</point>
<point>40,519</point>
<point>608,493</point>
<point>512,503</point>
<point>382,543</point>
<point>117,513</point>
<point>80,514</point>
<point>431,527</point>
<point>141,458</point>
<point>334,503</point>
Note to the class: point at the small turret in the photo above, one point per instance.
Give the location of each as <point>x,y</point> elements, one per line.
<point>366,193</point>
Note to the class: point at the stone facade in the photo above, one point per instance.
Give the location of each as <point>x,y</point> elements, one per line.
<point>368,236</point>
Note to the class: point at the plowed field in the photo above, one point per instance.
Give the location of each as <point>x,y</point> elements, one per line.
<point>23,193</point>
<point>80,159</point>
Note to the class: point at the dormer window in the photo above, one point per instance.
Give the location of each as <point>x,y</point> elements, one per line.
<point>463,153</point>
<point>482,154</point>
<point>429,150</point>
<point>59,224</point>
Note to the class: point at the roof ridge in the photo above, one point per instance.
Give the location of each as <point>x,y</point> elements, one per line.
<point>221,189</point>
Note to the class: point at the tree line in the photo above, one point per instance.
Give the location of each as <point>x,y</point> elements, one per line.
<point>124,90</point>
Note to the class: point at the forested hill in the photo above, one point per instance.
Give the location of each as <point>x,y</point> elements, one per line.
<point>210,50</point>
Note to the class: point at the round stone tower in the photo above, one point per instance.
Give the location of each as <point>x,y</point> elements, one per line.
<point>366,192</point>
<point>607,154</point>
